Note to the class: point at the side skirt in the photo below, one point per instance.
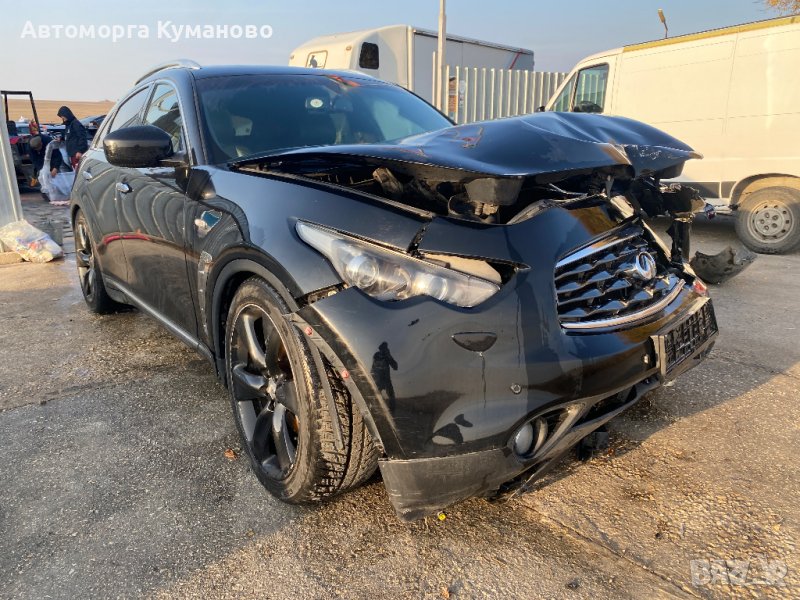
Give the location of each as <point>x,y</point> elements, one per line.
<point>169,325</point>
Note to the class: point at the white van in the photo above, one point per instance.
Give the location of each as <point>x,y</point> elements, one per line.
<point>733,94</point>
<point>404,55</point>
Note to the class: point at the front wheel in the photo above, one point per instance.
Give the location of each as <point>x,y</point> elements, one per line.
<point>281,408</point>
<point>768,221</point>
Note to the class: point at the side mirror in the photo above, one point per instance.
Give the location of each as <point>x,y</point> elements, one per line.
<point>137,147</point>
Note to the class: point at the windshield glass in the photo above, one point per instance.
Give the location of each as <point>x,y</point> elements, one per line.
<point>253,114</point>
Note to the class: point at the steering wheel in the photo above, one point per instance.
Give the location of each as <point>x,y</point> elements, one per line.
<point>586,106</point>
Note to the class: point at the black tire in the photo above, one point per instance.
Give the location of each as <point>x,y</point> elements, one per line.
<point>89,275</point>
<point>768,221</point>
<point>281,408</point>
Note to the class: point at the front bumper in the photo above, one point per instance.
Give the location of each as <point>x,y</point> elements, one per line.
<point>421,487</point>
<point>424,486</point>
<point>445,414</point>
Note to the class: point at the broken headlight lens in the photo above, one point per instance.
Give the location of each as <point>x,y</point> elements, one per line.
<point>389,275</point>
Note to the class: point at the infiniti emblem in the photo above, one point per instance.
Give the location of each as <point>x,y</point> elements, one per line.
<point>644,267</point>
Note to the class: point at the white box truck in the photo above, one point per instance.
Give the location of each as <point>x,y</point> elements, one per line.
<point>733,94</point>
<point>404,55</point>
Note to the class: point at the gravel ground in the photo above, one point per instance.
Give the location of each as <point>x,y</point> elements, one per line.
<point>114,480</point>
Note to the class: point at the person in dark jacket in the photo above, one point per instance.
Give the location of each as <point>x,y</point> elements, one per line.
<point>38,145</point>
<point>74,135</point>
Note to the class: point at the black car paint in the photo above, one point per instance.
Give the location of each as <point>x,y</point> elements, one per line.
<point>444,414</point>
<point>550,146</point>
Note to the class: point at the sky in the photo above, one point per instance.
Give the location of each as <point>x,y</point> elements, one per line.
<point>559,33</point>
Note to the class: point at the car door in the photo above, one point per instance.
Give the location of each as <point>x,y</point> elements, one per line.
<point>98,179</point>
<point>151,215</point>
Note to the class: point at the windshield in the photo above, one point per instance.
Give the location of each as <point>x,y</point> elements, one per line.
<point>253,114</point>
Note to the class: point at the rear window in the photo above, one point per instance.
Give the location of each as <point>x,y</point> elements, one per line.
<point>255,114</point>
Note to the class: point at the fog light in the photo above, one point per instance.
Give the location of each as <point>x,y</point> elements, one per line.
<point>530,437</point>
<point>523,440</point>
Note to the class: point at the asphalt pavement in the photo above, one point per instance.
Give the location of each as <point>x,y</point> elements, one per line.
<point>117,480</point>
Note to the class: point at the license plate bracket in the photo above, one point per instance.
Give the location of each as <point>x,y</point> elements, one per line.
<point>680,346</point>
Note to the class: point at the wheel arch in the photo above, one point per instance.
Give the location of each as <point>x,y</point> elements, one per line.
<point>748,185</point>
<point>231,273</point>
<point>81,205</point>
<point>232,269</point>
<point>73,210</point>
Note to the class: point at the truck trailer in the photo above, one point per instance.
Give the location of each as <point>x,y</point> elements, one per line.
<point>403,54</point>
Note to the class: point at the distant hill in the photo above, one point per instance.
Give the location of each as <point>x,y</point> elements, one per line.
<point>47,109</point>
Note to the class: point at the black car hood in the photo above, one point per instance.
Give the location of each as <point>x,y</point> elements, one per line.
<point>525,146</point>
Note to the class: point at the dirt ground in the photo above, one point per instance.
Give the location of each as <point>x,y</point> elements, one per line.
<point>114,479</point>
<point>47,109</point>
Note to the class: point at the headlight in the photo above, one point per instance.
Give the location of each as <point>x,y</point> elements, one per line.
<point>389,275</point>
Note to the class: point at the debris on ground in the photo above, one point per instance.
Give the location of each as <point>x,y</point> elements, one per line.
<point>721,267</point>
<point>30,243</point>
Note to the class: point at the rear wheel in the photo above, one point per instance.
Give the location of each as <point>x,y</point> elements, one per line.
<point>768,221</point>
<point>89,275</point>
<point>281,408</point>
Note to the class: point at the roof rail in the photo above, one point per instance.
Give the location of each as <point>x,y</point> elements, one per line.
<point>173,64</point>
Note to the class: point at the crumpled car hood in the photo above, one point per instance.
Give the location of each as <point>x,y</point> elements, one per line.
<point>524,146</point>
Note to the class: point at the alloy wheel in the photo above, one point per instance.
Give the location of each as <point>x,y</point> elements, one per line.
<point>84,254</point>
<point>264,391</point>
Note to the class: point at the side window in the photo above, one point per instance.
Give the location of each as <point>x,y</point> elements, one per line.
<point>128,112</point>
<point>317,60</point>
<point>101,133</point>
<point>590,90</point>
<point>368,59</point>
<point>164,112</point>
<point>562,102</point>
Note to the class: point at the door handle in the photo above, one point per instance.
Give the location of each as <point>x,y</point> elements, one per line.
<point>87,175</point>
<point>122,187</point>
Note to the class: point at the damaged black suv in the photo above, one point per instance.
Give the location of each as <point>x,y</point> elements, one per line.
<point>458,305</point>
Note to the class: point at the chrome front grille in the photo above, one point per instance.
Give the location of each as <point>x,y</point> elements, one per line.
<point>613,282</point>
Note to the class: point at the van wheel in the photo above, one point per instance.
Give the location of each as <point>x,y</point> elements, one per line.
<point>768,221</point>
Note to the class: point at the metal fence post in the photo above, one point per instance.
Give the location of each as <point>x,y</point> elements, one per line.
<point>10,206</point>
<point>458,93</point>
<point>433,98</point>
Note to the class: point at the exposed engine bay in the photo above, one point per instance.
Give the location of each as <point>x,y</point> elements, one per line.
<point>508,170</point>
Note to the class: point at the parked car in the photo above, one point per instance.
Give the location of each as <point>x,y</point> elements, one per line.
<point>23,128</point>
<point>94,122</point>
<point>457,305</point>
<point>91,124</point>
